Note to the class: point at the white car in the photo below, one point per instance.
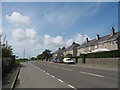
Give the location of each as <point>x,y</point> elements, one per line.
<point>68,60</point>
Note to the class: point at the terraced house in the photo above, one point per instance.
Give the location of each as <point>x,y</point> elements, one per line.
<point>58,53</point>
<point>105,43</point>
<point>71,50</point>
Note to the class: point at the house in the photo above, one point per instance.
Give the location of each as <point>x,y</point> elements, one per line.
<point>105,43</point>
<point>58,53</point>
<point>71,50</point>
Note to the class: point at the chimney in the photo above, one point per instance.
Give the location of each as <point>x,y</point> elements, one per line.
<point>63,48</point>
<point>86,40</point>
<point>112,31</point>
<point>97,37</point>
<point>74,43</point>
<point>59,48</point>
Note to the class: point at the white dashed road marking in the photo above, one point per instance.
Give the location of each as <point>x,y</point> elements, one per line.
<point>60,80</point>
<point>91,74</point>
<point>71,86</point>
<point>52,76</point>
<point>47,73</point>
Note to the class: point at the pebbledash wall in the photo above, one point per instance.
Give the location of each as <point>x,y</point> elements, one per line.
<point>102,61</point>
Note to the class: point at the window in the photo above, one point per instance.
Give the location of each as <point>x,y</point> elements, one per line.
<point>96,46</point>
<point>112,43</point>
<point>89,47</point>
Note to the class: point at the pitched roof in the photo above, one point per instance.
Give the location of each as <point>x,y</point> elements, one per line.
<point>58,51</point>
<point>101,39</point>
<point>72,46</point>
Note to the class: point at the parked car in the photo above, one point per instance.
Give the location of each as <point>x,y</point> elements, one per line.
<point>68,60</point>
<point>59,60</point>
<point>54,60</point>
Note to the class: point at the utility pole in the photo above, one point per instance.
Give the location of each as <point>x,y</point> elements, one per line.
<point>0,42</point>
<point>24,53</point>
<point>4,41</point>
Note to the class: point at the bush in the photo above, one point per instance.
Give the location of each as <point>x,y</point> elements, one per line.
<point>105,54</point>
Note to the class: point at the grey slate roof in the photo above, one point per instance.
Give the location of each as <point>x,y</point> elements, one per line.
<point>58,51</point>
<point>102,39</point>
<point>72,46</point>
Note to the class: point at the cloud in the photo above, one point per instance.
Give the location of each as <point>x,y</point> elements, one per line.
<point>18,18</point>
<point>78,38</point>
<point>0,32</point>
<point>53,41</point>
<point>35,45</point>
<point>29,35</point>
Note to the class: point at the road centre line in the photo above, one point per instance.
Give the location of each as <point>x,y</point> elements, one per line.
<point>43,71</point>
<point>67,69</point>
<point>52,76</point>
<point>72,86</point>
<point>92,74</point>
<point>95,75</point>
<point>60,80</point>
<point>47,73</point>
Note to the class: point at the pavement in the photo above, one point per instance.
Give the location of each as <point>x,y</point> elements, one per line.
<point>38,74</point>
<point>9,79</point>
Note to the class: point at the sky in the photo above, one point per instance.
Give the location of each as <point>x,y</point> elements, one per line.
<point>36,26</point>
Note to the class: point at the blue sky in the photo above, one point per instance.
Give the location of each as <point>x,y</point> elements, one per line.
<point>38,25</point>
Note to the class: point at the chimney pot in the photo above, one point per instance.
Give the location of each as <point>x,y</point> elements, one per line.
<point>59,48</point>
<point>73,43</point>
<point>112,31</point>
<point>97,37</point>
<point>86,40</point>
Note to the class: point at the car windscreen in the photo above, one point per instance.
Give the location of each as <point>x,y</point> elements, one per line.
<point>68,59</point>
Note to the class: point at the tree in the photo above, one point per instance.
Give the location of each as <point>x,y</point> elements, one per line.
<point>47,54</point>
<point>40,56</point>
<point>7,51</point>
<point>33,58</point>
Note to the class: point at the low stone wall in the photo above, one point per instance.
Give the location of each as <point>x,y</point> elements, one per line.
<point>102,61</point>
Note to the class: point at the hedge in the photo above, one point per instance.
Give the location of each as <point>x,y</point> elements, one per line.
<point>105,54</point>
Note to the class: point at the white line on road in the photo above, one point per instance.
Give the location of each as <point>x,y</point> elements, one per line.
<point>92,74</point>
<point>67,69</point>
<point>71,86</point>
<point>95,75</point>
<point>47,73</point>
<point>83,72</point>
<point>52,76</point>
<point>43,71</point>
<point>60,80</point>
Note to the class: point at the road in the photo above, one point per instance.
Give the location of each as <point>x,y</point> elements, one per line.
<point>38,74</point>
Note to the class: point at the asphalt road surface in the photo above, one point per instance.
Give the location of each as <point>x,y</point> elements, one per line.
<point>38,74</point>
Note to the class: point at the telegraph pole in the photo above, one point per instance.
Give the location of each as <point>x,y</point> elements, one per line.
<point>24,53</point>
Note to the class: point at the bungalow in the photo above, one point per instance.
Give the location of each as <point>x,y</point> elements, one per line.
<point>105,43</point>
